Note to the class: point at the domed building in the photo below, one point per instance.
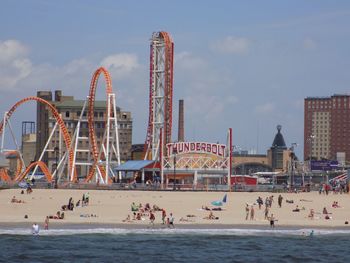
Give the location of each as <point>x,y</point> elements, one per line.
<point>279,154</point>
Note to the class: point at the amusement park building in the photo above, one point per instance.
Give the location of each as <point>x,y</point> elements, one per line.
<point>70,110</point>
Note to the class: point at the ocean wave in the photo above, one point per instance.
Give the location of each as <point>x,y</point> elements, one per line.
<point>179,231</point>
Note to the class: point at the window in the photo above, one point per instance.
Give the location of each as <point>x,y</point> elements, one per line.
<point>67,114</point>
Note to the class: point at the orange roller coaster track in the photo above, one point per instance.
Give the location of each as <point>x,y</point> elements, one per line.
<point>92,93</point>
<point>43,168</point>
<point>66,136</point>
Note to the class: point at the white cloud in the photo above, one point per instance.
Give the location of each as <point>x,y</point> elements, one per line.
<point>188,61</point>
<point>232,45</point>
<point>11,49</point>
<point>309,43</point>
<point>120,65</point>
<point>265,108</point>
<point>14,66</point>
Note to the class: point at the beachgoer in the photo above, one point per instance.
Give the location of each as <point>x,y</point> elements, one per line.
<point>266,212</point>
<point>260,202</point>
<point>311,214</point>
<point>127,219</point>
<point>171,221</point>
<point>151,217</point>
<point>87,198</point>
<point>296,209</point>
<point>35,229</point>
<point>163,216</point>
<point>246,212</point>
<point>280,198</point>
<point>272,221</point>
<point>325,212</point>
<point>46,224</point>
<point>252,212</point>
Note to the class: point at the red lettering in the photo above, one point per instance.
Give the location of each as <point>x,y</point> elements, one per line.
<point>187,147</point>
<point>214,149</point>
<point>181,147</point>
<point>208,148</point>
<point>203,148</point>
<point>193,146</point>
<point>198,146</point>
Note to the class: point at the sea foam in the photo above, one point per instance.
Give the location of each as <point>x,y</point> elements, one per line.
<point>178,231</point>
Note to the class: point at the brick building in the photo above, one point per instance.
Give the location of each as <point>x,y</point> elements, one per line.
<point>327,127</point>
<point>70,110</point>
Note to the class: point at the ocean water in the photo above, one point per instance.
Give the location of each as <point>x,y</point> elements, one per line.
<point>174,245</point>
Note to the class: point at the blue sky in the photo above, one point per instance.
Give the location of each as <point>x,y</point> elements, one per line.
<point>241,64</point>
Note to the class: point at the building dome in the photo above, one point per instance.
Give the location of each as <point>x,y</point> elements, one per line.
<point>278,142</point>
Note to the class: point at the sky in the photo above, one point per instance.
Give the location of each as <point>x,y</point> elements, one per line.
<point>247,65</point>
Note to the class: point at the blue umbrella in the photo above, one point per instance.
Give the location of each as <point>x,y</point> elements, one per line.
<point>220,203</point>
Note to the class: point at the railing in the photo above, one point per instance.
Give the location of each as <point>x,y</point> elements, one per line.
<point>169,187</point>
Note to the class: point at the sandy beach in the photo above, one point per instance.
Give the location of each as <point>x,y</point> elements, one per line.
<point>110,208</point>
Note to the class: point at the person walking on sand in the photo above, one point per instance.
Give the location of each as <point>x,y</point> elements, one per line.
<point>252,212</point>
<point>46,224</point>
<point>272,221</point>
<point>163,216</point>
<point>266,212</point>
<point>246,212</point>
<point>280,198</point>
<point>171,221</point>
<point>152,217</point>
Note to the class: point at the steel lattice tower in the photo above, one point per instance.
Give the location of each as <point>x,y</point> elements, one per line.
<point>160,94</point>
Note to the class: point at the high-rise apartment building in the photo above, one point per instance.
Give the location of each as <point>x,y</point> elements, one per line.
<point>70,110</point>
<point>327,127</point>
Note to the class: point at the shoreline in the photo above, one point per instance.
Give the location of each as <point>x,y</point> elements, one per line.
<point>130,226</point>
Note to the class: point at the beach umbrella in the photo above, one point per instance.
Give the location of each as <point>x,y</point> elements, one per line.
<point>220,202</point>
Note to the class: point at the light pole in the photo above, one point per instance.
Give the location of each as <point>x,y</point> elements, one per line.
<point>56,149</point>
<point>292,155</point>
<point>174,153</point>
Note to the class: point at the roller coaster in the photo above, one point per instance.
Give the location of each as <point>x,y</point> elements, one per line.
<point>100,170</point>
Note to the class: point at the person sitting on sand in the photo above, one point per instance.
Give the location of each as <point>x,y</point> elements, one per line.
<point>15,200</point>
<point>335,205</point>
<point>325,212</point>
<point>211,216</point>
<point>134,207</point>
<point>205,208</point>
<point>311,214</point>
<point>127,219</point>
<point>296,209</point>
<point>138,216</point>
<point>156,208</point>
<point>147,207</point>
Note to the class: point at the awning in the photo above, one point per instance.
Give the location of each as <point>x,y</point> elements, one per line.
<point>133,165</point>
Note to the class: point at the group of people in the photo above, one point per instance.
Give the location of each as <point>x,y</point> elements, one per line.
<point>15,200</point>
<point>83,202</point>
<point>140,212</point>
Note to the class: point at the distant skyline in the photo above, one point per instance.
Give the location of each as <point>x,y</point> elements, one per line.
<point>241,64</point>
